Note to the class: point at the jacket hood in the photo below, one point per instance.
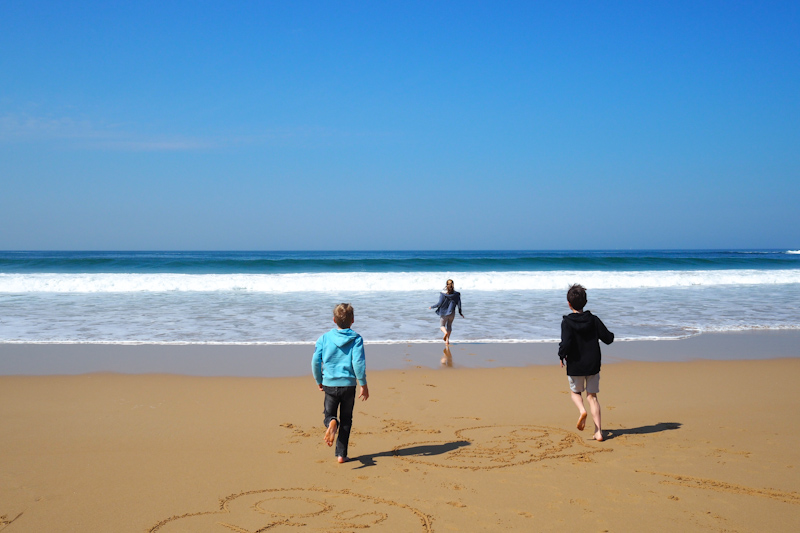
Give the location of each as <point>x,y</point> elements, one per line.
<point>451,296</point>
<point>580,321</point>
<point>343,337</point>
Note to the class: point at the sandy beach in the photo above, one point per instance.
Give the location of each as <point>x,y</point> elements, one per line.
<point>696,445</point>
<point>197,194</point>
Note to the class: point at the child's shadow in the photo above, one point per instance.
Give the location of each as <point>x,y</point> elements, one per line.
<point>421,450</point>
<point>641,430</point>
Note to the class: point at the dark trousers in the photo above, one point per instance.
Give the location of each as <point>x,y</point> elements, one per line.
<point>341,399</point>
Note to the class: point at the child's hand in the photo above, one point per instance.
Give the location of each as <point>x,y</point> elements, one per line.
<point>562,363</point>
<point>320,387</point>
<point>364,393</point>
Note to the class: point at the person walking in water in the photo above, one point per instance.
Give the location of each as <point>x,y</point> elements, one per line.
<point>449,300</point>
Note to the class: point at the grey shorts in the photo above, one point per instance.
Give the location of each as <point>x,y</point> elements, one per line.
<point>447,322</point>
<point>590,384</point>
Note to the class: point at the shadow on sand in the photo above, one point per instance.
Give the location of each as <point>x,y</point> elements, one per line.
<point>641,430</point>
<point>423,450</point>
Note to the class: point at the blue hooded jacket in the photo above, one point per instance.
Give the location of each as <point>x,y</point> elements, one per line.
<point>448,303</point>
<point>339,359</point>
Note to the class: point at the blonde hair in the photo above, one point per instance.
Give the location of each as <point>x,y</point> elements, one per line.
<point>450,287</point>
<point>343,315</point>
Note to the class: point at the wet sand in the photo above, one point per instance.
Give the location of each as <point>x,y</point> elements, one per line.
<point>692,445</point>
<point>295,360</point>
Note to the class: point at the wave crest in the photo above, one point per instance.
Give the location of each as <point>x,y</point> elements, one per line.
<point>386,281</point>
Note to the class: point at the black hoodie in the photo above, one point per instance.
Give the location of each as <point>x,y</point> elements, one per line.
<point>579,343</point>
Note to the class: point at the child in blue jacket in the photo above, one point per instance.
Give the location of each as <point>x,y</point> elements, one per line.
<point>338,366</point>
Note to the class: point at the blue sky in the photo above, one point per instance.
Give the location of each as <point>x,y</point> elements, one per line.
<point>407,125</point>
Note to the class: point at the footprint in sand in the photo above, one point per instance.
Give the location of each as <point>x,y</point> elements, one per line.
<point>296,431</point>
<point>290,509</point>
<point>389,425</point>
<point>6,521</point>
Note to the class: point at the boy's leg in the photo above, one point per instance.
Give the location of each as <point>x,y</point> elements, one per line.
<point>348,400</point>
<point>578,400</point>
<point>330,407</point>
<point>577,384</point>
<point>594,407</point>
<point>592,388</point>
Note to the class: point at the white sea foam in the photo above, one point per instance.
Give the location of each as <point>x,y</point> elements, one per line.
<point>428,340</point>
<point>793,251</point>
<point>385,281</point>
<point>247,317</point>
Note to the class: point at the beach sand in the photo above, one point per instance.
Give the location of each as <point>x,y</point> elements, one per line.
<point>705,445</point>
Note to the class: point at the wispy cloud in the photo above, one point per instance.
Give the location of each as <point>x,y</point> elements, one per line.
<point>167,145</point>
<point>86,134</point>
<point>28,128</point>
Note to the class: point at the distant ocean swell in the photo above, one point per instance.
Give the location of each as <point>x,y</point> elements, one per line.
<point>324,262</point>
<point>385,281</point>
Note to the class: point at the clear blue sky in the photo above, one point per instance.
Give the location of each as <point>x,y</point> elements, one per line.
<point>399,125</point>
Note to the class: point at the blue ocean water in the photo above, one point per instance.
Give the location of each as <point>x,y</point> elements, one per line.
<point>287,297</point>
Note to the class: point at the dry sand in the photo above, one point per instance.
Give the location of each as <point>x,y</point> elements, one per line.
<point>696,446</point>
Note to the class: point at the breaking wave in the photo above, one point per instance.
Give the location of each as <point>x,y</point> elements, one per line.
<point>384,281</point>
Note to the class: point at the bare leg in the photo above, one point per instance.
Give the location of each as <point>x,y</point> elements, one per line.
<point>578,399</point>
<point>330,433</point>
<point>594,407</point>
<point>445,333</point>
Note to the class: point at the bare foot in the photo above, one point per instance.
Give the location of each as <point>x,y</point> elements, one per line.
<point>598,436</point>
<point>582,422</point>
<point>330,433</point>
<point>342,459</point>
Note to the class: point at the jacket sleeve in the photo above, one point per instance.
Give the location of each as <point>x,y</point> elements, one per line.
<point>316,362</point>
<point>359,361</point>
<point>602,332</point>
<point>566,341</point>
<point>459,304</point>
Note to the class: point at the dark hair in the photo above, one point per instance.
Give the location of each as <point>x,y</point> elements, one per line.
<point>576,296</point>
<point>343,315</point>
<point>449,286</point>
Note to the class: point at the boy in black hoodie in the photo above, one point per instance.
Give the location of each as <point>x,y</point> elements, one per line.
<point>579,345</point>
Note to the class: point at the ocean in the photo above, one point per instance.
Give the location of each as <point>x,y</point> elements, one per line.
<point>288,297</point>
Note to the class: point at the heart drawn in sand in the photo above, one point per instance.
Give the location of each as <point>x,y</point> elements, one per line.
<point>287,509</point>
